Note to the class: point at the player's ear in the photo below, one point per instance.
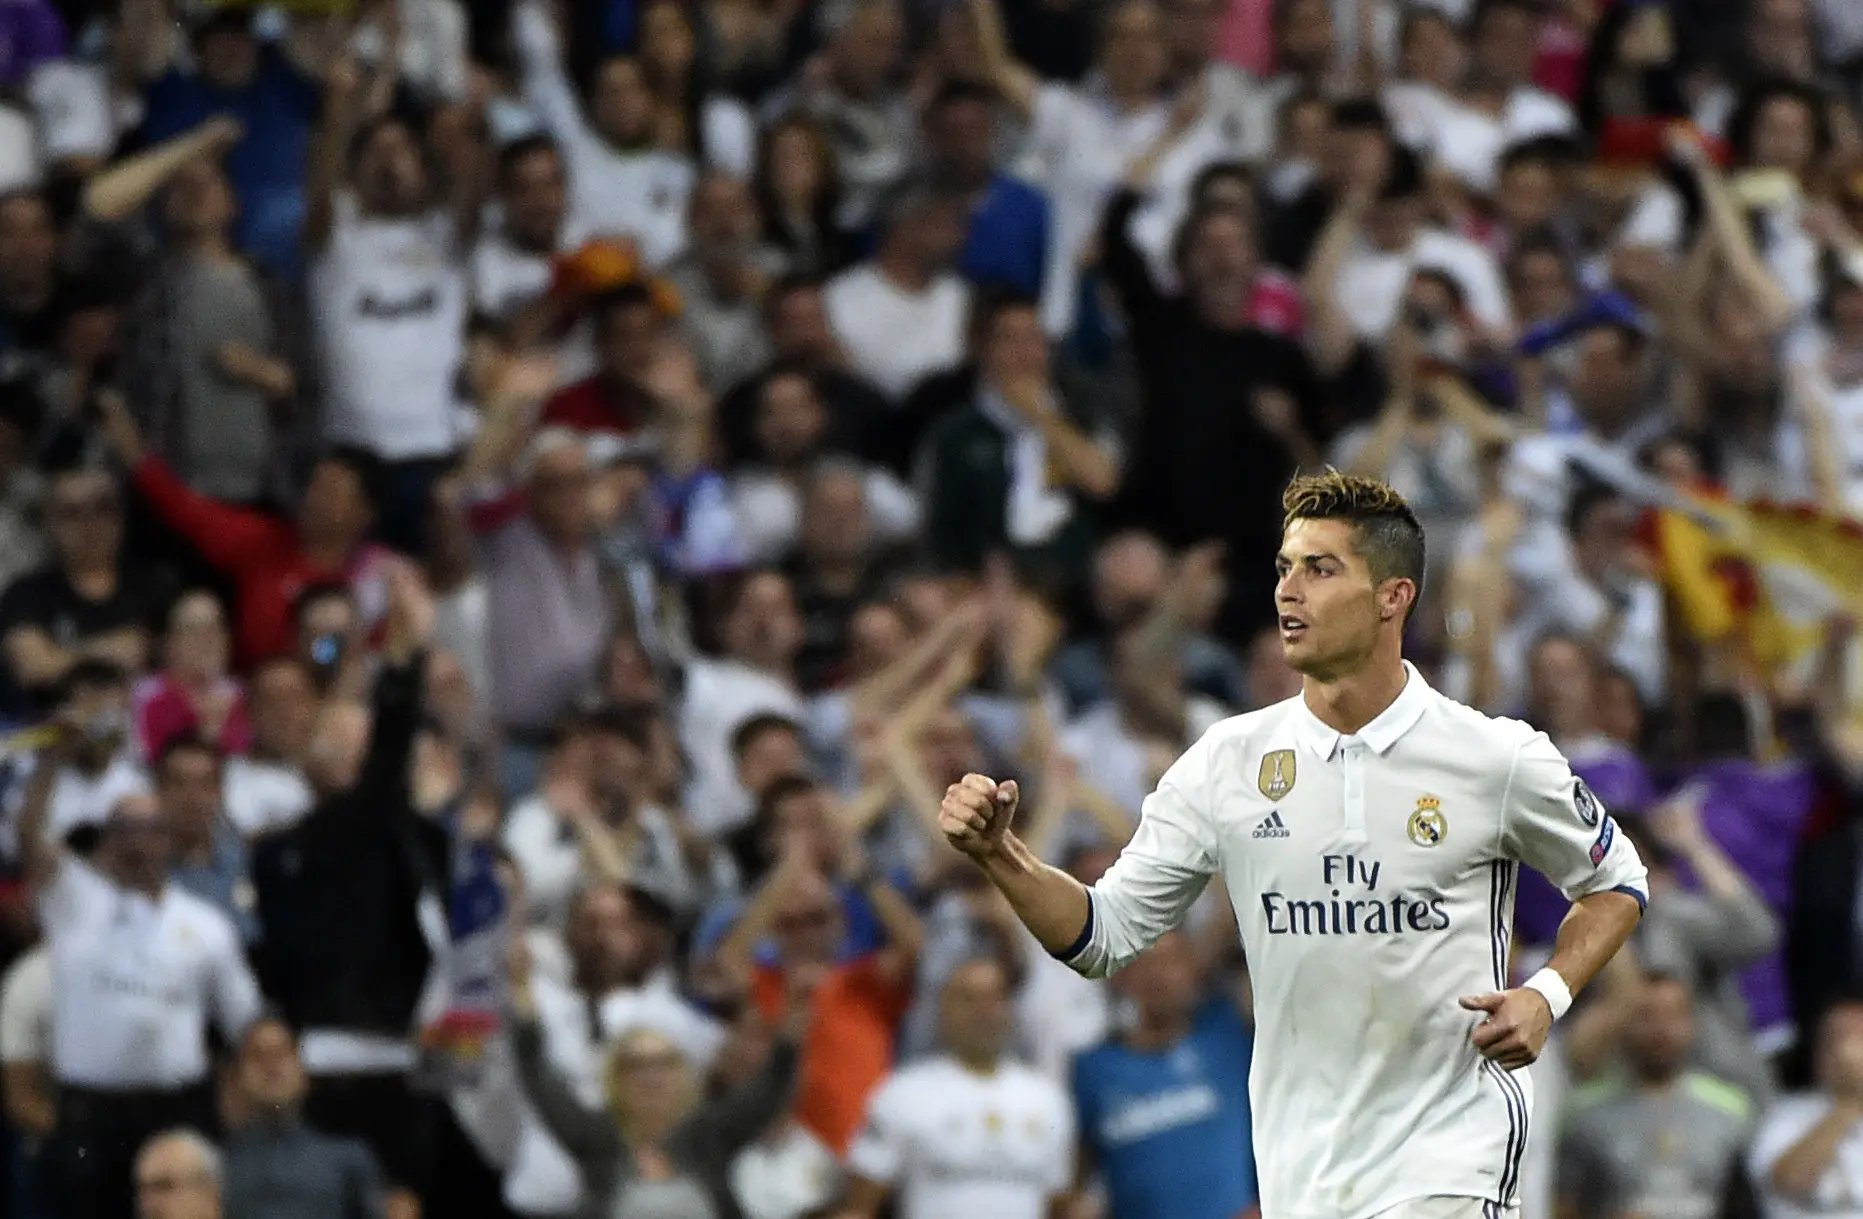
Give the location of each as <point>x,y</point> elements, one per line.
<point>1395,597</point>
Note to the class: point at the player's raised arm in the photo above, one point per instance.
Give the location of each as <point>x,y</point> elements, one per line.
<point>1096,931</point>
<point>1553,822</point>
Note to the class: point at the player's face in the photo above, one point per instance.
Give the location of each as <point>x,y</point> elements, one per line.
<point>1326,599</point>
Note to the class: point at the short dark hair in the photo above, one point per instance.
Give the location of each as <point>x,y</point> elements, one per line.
<point>1216,171</point>
<point>1201,213</point>
<point>786,788</point>
<point>369,128</point>
<point>1552,151</point>
<point>1723,726</point>
<point>746,733</point>
<point>790,284</point>
<point>630,295</point>
<point>1405,178</point>
<point>1361,114</point>
<point>185,742</point>
<point>1445,279</point>
<point>1588,495</point>
<point>521,149</point>
<point>565,729</point>
<point>988,306</point>
<point>92,674</point>
<point>1485,9</point>
<point>956,92</point>
<point>315,591</point>
<point>629,724</point>
<point>1385,531</point>
<point>366,466</point>
<point>1762,93</point>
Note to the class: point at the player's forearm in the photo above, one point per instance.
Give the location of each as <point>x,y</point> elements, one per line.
<point>1049,902</point>
<point>1595,928</point>
<point>1798,1171</point>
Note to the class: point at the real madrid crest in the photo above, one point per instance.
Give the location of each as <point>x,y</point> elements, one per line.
<point>1427,826</point>
<point>1276,777</point>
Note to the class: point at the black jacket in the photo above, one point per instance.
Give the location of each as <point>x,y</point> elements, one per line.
<point>1202,468</point>
<point>338,892</point>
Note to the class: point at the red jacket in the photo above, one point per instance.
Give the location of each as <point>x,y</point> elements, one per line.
<point>260,552</point>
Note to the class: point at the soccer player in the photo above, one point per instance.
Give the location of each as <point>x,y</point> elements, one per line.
<point>1370,831</point>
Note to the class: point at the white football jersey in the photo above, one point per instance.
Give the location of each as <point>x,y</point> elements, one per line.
<point>956,1143</point>
<point>1373,882</point>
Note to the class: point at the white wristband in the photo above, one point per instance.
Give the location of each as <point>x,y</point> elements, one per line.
<point>1552,987</point>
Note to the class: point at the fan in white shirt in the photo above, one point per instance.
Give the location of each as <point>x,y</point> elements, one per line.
<point>619,952</point>
<point>387,281</point>
<point>791,429</point>
<point>902,315</point>
<point>969,1132</point>
<point>619,182</point>
<point>430,42</point>
<point>512,267</point>
<point>1504,42</point>
<point>1807,1156</point>
<point>1369,833</point>
<point>26,1043</point>
<point>139,966</point>
<point>1082,138</point>
<point>264,789</point>
<point>88,775</point>
<point>762,632</point>
<point>1392,245</point>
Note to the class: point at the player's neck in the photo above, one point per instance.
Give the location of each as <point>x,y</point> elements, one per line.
<point>1346,704</point>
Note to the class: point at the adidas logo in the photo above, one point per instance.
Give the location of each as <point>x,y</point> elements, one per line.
<point>1272,827</point>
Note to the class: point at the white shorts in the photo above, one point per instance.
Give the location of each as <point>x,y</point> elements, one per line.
<point>1449,1208</point>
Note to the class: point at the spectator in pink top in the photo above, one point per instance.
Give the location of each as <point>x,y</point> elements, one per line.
<point>193,694</point>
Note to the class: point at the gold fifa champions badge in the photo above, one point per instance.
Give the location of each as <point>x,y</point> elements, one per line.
<point>1276,778</point>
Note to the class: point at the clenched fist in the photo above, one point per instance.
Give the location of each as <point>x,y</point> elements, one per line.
<point>1514,1032</point>
<point>976,813</point>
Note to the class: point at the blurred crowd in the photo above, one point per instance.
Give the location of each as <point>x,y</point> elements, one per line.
<point>512,513</point>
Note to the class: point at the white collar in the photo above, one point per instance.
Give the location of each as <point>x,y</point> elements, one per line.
<point>1384,730</point>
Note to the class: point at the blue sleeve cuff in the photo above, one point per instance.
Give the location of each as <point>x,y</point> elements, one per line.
<point>1068,955</point>
<point>1643,899</point>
